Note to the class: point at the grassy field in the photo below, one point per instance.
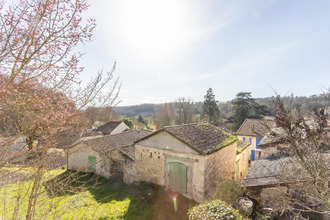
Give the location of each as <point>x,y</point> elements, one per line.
<point>68,195</point>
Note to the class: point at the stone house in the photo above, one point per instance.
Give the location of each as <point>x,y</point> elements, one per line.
<point>243,158</point>
<point>191,159</point>
<point>252,131</point>
<point>111,156</point>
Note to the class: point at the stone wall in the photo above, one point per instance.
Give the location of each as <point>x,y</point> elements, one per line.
<point>129,172</point>
<point>219,166</point>
<point>152,165</point>
<point>152,158</point>
<point>78,160</point>
<point>243,160</point>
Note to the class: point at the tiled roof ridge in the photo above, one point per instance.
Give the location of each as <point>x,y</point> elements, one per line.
<point>241,126</point>
<point>183,125</point>
<point>124,132</point>
<point>252,126</point>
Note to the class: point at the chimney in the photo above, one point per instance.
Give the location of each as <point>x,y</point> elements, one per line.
<point>252,127</point>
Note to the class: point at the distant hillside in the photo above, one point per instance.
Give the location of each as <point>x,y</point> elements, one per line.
<point>300,103</point>
<point>145,110</point>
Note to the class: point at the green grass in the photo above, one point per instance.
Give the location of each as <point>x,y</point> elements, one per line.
<point>68,195</point>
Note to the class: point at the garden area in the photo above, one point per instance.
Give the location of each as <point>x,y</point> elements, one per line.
<point>71,195</point>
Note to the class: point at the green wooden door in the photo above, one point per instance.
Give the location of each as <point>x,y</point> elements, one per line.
<point>92,163</point>
<point>178,177</point>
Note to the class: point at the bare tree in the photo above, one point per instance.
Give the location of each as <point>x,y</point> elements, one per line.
<point>184,110</point>
<point>166,115</point>
<point>307,175</point>
<point>40,92</point>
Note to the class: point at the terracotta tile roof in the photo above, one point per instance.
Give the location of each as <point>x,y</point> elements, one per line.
<point>129,151</point>
<point>256,127</point>
<point>108,127</point>
<point>202,137</point>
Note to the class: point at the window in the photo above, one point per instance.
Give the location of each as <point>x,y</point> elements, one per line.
<point>250,140</point>
<point>243,138</point>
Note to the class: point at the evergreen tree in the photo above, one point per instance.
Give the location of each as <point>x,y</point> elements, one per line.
<point>245,107</point>
<point>210,108</point>
<point>140,119</point>
<point>128,122</point>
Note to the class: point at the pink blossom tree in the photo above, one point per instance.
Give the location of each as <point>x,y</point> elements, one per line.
<point>40,90</point>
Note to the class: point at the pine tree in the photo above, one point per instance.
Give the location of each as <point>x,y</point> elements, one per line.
<point>246,107</point>
<point>210,108</point>
<point>140,119</point>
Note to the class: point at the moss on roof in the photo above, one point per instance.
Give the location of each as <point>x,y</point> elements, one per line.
<point>230,139</point>
<point>203,137</point>
<point>241,145</point>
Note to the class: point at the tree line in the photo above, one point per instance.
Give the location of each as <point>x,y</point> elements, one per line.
<point>230,113</point>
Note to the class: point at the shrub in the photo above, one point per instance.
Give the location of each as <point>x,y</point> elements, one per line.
<point>215,209</point>
<point>228,191</point>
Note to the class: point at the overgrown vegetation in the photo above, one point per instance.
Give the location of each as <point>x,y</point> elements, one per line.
<point>228,191</point>
<point>71,195</point>
<point>213,210</point>
<point>307,176</point>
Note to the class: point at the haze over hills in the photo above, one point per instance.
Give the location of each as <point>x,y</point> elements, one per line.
<point>302,104</point>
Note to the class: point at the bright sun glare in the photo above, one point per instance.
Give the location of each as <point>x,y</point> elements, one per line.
<point>153,30</point>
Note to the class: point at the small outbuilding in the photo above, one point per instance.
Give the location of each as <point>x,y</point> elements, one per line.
<point>191,159</point>
<point>111,156</point>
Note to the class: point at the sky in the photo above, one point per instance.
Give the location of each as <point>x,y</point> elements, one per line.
<point>179,48</point>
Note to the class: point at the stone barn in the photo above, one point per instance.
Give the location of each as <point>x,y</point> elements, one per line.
<point>191,159</point>
<point>111,156</point>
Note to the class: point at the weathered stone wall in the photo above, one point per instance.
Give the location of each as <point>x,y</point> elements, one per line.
<point>129,172</point>
<point>78,160</point>
<point>243,160</point>
<point>152,158</point>
<point>127,165</point>
<point>152,165</point>
<point>219,166</point>
<point>149,165</point>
